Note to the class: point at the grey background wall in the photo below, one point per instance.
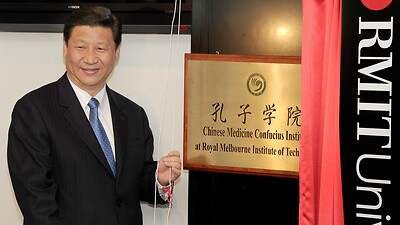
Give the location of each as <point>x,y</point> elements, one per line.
<point>144,74</point>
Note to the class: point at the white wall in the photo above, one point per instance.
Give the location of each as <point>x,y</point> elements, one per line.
<point>144,74</point>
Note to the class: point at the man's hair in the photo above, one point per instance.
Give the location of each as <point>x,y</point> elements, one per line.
<point>93,16</point>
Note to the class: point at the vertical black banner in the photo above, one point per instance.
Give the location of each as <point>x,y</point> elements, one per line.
<point>370,111</point>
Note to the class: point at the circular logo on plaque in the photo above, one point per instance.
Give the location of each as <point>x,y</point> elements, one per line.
<point>256,84</point>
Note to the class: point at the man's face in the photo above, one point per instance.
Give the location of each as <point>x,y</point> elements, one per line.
<point>90,57</point>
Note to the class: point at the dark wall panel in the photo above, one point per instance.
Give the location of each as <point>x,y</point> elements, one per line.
<point>255,27</point>
<point>259,27</point>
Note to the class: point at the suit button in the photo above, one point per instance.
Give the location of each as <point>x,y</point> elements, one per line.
<point>119,203</point>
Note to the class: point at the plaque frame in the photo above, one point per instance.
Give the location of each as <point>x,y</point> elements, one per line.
<point>229,58</point>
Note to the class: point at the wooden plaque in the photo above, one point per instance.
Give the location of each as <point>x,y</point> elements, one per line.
<point>242,114</point>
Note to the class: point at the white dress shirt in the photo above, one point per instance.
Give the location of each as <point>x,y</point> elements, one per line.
<point>104,110</point>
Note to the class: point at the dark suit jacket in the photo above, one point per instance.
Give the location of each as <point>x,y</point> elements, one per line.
<point>58,170</point>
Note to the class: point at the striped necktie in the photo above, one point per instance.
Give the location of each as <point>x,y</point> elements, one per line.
<point>100,133</point>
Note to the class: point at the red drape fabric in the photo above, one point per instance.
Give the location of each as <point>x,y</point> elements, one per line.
<point>319,166</point>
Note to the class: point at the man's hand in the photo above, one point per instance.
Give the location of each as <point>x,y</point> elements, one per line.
<point>169,168</point>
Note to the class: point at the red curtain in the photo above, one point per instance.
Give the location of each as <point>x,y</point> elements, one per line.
<point>319,167</point>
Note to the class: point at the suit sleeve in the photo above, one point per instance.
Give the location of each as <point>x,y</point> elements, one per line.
<point>149,187</point>
<point>30,165</point>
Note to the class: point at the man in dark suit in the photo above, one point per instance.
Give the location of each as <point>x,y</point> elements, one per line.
<point>59,172</point>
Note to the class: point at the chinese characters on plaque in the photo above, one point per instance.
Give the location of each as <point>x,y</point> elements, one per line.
<point>242,114</point>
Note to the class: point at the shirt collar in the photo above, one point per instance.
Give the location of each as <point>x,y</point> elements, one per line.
<point>84,97</point>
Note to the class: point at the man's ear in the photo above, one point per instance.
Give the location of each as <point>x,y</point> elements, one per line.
<point>65,50</point>
<point>117,54</point>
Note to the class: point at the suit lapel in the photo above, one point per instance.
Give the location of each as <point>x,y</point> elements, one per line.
<point>78,120</point>
<point>119,125</point>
